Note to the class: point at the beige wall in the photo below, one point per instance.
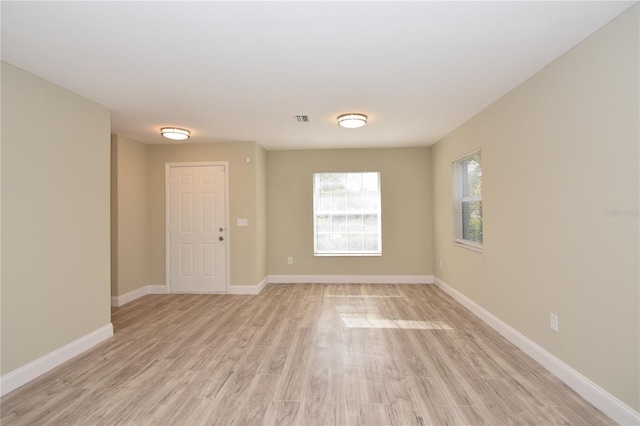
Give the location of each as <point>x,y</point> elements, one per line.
<point>406,211</point>
<point>243,198</point>
<point>55,217</point>
<point>114,215</point>
<point>131,220</point>
<point>261,212</point>
<point>558,153</point>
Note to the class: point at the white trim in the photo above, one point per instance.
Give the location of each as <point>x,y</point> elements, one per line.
<point>118,301</point>
<point>157,289</point>
<point>317,211</point>
<point>129,297</point>
<point>471,245</point>
<point>468,154</point>
<point>34,369</point>
<point>594,394</point>
<point>249,289</point>
<point>167,171</point>
<point>351,279</point>
<point>286,279</point>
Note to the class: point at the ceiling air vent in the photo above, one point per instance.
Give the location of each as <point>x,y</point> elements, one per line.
<point>302,118</point>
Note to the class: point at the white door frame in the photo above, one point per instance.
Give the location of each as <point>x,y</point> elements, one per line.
<point>167,174</point>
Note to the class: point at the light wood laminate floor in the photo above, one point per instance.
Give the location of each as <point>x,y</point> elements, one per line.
<point>300,355</point>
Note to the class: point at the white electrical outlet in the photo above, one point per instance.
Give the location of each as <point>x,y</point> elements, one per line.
<point>553,322</point>
<point>290,260</point>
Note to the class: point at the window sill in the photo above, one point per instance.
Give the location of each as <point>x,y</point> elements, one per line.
<point>468,245</point>
<point>347,254</point>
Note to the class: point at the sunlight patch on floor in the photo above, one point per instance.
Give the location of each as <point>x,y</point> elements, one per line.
<point>354,320</point>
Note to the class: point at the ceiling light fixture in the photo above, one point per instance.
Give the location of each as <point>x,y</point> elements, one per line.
<point>352,120</point>
<point>175,133</point>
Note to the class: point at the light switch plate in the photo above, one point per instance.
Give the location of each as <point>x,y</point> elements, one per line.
<point>242,222</point>
<point>553,322</point>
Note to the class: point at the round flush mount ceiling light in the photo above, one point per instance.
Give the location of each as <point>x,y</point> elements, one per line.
<point>352,120</point>
<point>175,133</point>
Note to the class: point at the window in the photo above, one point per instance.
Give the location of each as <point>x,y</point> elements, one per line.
<point>468,201</point>
<point>346,219</point>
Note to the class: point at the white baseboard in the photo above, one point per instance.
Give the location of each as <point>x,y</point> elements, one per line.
<point>351,279</point>
<point>248,289</point>
<point>597,396</point>
<point>34,369</point>
<point>128,297</point>
<point>137,293</point>
<point>162,289</point>
<point>286,279</point>
<point>156,289</point>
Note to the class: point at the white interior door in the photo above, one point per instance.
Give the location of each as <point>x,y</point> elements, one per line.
<point>197,229</point>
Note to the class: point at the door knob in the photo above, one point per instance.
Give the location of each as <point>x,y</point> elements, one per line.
<point>221,238</point>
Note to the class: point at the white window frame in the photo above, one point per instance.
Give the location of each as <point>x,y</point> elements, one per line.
<point>459,198</point>
<point>318,212</point>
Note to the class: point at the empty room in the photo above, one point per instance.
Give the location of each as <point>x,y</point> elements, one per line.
<point>318,213</point>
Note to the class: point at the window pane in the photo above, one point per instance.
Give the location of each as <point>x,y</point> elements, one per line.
<point>324,201</point>
<point>331,182</point>
<point>370,223</point>
<point>354,201</point>
<point>472,221</point>
<point>354,182</point>
<point>339,201</point>
<point>370,243</point>
<point>370,201</point>
<point>355,242</point>
<point>339,243</point>
<point>339,223</point>
<point>370,182</point>
<point>354,223</point>
<point>323,223</point>
<point>323,243</point>
<point>472,176</point>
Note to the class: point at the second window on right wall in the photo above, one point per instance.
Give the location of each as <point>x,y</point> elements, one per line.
<point>468,200</point>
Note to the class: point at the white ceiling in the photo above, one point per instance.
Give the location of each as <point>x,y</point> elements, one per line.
<point>233,71</point>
